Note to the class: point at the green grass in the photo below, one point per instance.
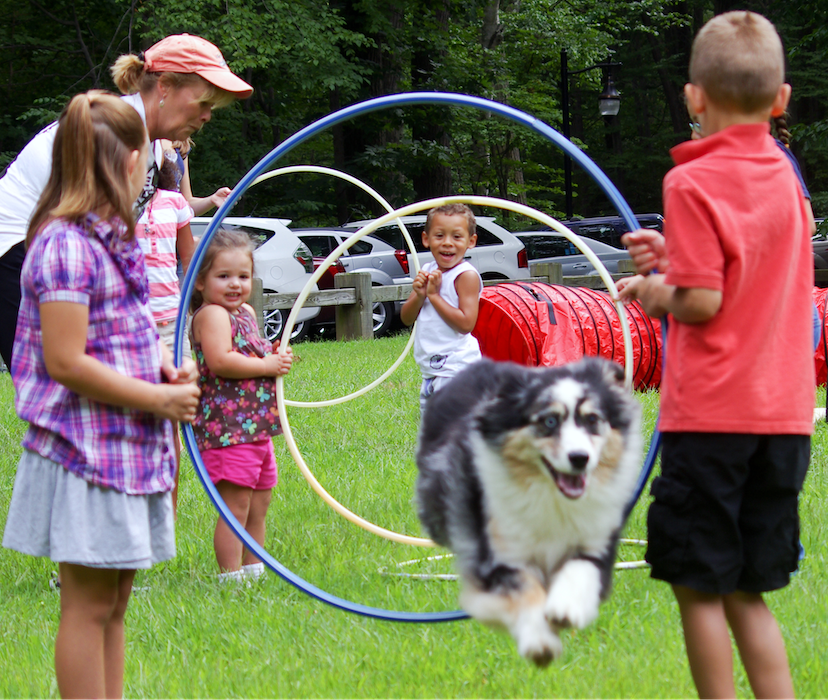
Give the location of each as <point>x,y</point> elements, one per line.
<point>189,637</point>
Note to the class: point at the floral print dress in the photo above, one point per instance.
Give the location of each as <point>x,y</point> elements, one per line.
<point>236,411</point>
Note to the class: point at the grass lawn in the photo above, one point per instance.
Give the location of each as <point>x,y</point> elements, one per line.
<point>189,637</point>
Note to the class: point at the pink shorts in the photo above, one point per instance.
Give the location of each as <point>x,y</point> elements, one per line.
<point>252,465</point>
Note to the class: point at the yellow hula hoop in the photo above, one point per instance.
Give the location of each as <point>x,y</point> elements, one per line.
<point>332,257</point>
<point>364,231</point>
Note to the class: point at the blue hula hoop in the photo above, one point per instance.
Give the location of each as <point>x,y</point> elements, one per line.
<point>405,99</point>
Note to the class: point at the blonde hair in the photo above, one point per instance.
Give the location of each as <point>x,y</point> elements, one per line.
<point>223,239</point>
<point>738,60</point>
<point>130,76</point>
<point>96,134</point>
<point>456,209</point>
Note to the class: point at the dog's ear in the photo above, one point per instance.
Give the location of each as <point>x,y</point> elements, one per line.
<point>616,400</point>
<point>613,373</point>
<point>606,371</point>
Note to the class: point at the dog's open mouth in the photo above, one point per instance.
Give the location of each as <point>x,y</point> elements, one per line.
<point>570,485</point>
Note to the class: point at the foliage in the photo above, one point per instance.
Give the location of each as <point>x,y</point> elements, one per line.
<point>307,58</point>
<point>49,52</point>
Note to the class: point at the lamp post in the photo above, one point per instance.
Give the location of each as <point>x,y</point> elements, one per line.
<point>609,102</point>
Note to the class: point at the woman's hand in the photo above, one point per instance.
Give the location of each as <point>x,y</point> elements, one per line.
<point>220,196</point>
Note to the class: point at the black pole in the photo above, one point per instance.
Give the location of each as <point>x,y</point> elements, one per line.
<point>565,110</point>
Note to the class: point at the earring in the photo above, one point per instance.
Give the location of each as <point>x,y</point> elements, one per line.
<point>161,103</point>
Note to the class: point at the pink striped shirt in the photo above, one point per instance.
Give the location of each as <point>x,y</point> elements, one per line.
<point>157,234</point>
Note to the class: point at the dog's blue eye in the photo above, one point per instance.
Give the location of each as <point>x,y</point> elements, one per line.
<point>592,418</point>
<point>551,422</point>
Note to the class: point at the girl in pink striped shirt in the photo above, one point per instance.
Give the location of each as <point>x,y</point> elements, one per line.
<point>164,234</point>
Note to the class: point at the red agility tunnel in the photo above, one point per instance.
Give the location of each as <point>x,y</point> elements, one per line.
<point>819,355</point>
<point>539,324</point>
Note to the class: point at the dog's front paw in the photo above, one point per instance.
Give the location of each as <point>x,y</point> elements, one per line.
<point>575,595</point>
<point>540,644</point>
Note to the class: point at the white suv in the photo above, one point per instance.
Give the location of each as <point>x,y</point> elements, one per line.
<point>282,261</point>
<point>498,255</point>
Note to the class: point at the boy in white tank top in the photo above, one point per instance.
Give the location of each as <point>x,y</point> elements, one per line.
<point>445,299</point>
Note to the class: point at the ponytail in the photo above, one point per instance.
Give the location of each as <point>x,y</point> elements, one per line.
<point>128,73</point>
<point>96,134</point>
<point>780,126</point>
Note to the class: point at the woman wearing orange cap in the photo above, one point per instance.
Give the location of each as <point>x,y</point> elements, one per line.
<point>174,86</point>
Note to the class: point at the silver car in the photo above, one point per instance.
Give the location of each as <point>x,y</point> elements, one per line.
<point>385,264</point>
<point>498,255</point>
<point>547,247</point>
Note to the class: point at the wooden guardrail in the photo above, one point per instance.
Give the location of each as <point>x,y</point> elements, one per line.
<point>354,296</point>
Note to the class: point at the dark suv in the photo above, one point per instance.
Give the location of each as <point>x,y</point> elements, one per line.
<point>609,229</point>
<point>819,243</point>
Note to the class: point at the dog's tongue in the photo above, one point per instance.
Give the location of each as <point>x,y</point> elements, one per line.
<point>571,485</point>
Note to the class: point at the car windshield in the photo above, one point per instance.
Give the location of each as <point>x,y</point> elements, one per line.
<point>362,247</point>
<point>393,236</point>
<point>259,236</point>
<point>548,246</point>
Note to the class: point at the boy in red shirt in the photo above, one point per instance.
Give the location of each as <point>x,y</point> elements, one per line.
<point>735,274</point>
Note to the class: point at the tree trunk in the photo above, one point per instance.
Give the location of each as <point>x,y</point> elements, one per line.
<point>351,139</point>
<point>431,175</point>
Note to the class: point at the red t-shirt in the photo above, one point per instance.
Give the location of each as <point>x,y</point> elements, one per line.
<point>735,221</point>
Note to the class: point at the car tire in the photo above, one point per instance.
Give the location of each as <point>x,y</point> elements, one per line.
<point>274,323</point>
<point>382,316</point>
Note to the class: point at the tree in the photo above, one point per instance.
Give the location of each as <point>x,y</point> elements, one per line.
<point>48,53</point>
<point>294,53</point>
<point>307,58</point>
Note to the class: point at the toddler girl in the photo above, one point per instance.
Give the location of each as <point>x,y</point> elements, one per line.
<point>92,489</point>
<point>238,417</point>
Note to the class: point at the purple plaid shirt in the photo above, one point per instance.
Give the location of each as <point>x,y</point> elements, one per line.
<point>123,449</point>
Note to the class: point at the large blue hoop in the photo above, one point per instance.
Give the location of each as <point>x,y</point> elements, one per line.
<point>405,99</point>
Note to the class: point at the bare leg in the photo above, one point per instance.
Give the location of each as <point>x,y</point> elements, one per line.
<point>256,521</point>
<point>114,638</point>
<point>760,645</point>
<point>707,639</point>
<point>89,648</point>
<point>229,547</point>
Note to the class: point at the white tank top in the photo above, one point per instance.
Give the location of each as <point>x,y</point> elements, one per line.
<point>439,350</point>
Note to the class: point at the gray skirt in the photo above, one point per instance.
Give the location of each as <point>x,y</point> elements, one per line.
<point>56,514</point>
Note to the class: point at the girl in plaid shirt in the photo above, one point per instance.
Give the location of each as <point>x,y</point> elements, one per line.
<point>98,391</point>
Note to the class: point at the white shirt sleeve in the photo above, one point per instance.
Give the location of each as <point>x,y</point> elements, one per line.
<point>22,185</point>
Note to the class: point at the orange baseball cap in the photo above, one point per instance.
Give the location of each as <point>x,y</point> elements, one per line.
<point>184,53</point>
